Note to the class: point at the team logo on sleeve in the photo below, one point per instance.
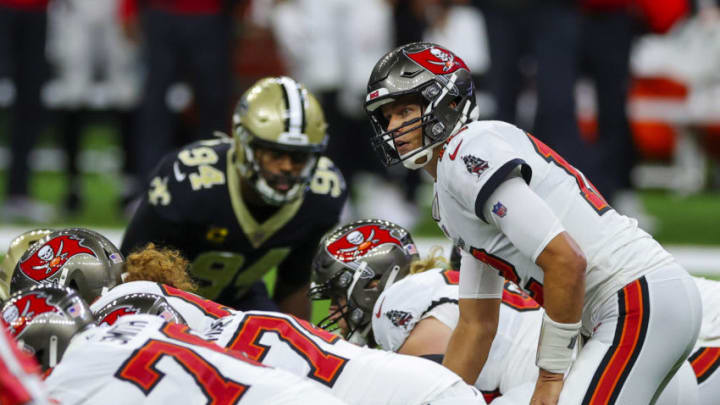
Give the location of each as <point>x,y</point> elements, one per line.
<point>361,240</point>
<point>499,209</point>
<point>437,60</point>
<point>18,315</point>
<point>401,319</point>
<point>475,165</point>
<point>50,257</point>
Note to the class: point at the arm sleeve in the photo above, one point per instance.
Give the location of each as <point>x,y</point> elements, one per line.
<point>478,280</point>
<point>483,162</point>
<point>522,216</point>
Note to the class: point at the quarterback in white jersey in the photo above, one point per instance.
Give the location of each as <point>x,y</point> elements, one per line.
<point>520,212</point>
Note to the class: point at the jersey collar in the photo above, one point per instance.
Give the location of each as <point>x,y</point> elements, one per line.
<point>256,233</point>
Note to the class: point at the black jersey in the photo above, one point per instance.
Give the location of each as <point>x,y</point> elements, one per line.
<point>193,204</point>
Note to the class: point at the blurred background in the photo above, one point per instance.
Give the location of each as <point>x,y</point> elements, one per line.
<point>94,92</point>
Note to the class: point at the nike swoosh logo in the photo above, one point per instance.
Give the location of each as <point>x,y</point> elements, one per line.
<point>454,154</point>
<point>179,176</point>
<point>379,312</point>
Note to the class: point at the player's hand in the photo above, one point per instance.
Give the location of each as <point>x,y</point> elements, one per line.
<point>547,388</point>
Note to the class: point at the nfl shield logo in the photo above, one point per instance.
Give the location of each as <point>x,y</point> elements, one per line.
<point>499,209</point>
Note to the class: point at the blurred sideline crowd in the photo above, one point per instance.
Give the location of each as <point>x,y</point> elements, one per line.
<point>164,73</point>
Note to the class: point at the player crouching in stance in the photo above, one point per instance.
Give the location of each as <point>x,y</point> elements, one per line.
<point>140,359</point>
<point>521,212</point>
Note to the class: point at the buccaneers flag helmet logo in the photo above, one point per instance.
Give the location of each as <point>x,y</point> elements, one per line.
<point>49,258</point>
<point>361,240</point>
<point>437,60</point>
<point>113,316</point>
<point>18,315</point>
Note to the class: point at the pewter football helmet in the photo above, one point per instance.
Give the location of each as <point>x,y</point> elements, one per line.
<point>278,115</point>
<point>138,303</point>
<point>357,262</point>
<point>76,257</point>
<point>17,247</point>
<point>438,78</point>
<point>44,318</point>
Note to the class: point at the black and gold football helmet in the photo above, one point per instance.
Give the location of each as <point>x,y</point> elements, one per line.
<point>277,115</point>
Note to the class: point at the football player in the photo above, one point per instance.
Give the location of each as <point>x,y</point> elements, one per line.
<point>416,316</point>
<point>285,342</point>
<point>140,359</point>
<point>17,247</point>
<point>521,212</point>
<point>355,374</point>
<point>20,382</point>
<point>238,208</point>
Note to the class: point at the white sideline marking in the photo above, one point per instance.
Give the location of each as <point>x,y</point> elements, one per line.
<point>696,259</point>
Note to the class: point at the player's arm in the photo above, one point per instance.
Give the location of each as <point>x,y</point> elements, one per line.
<point>293,280</point>
<point>534,229</point>
<point>480,293</point>
<point>293,299</point>
<point>429,336</point>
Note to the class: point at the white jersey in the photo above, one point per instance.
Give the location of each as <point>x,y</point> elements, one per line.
<point>434,293</point>
<point>143,360</point>
<point>710,328</point>
<point>479,158</point>
<point>199,313</point>
<point>357,375</point>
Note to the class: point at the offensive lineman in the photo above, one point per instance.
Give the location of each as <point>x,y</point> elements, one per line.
<point>238,208</point>
<point>141,359</point>
<point>356,375</point>
<point>520,212</point>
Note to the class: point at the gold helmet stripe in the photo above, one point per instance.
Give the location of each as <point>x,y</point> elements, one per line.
<point>295,103</point>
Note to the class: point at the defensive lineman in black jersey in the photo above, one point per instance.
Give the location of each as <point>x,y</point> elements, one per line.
<point>238,207</point>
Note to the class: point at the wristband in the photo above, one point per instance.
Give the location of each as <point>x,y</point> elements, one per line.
<point>556,345</point>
